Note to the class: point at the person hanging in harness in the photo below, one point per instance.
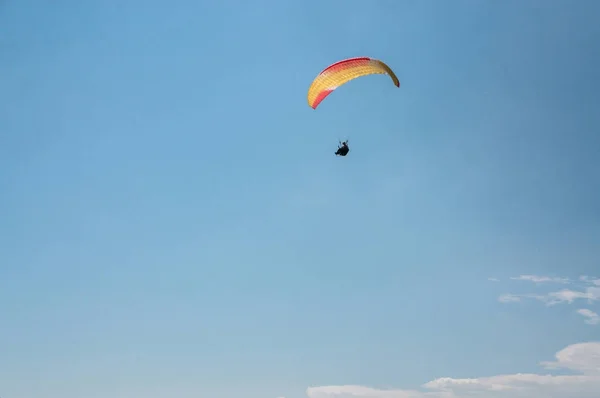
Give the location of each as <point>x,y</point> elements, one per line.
<point>342,149</point>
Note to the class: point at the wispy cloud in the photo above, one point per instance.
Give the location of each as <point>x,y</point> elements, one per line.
<point>509,298</point>
<point>591,294</point>
<point>583,359</point>
<point>590,280</point>
<point>592,318</point>
<point>569,296</point>
<point>586,288</point>
<point>541,279</point>
<point>493,279</point>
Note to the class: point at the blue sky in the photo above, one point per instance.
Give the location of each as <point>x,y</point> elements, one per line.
<point>174,222</point>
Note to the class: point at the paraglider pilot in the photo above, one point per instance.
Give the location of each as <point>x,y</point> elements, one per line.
<point>342,149</point>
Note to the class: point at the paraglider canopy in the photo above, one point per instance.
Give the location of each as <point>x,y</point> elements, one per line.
<point>342,72</point>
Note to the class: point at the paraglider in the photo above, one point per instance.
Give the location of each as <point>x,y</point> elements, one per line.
<point>342,72</point>
<point>342,149</point>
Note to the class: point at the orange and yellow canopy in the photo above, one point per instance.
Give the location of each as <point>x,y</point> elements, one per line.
<point>342,72</point>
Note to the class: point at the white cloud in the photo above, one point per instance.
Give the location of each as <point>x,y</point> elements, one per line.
<point>592,318</point>
<point>493,279</point>
<point>582,358</point>
<point>569,296</point>
<point>588,279</point>
<point>587,289</point>
<point>541,279</point>
<point>509,298</point>
<point>359,391</point>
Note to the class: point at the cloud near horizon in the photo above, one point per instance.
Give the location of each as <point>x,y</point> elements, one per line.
<point>582,359</point>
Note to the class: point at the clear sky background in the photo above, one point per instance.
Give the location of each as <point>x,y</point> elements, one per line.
<point>173,222</point>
